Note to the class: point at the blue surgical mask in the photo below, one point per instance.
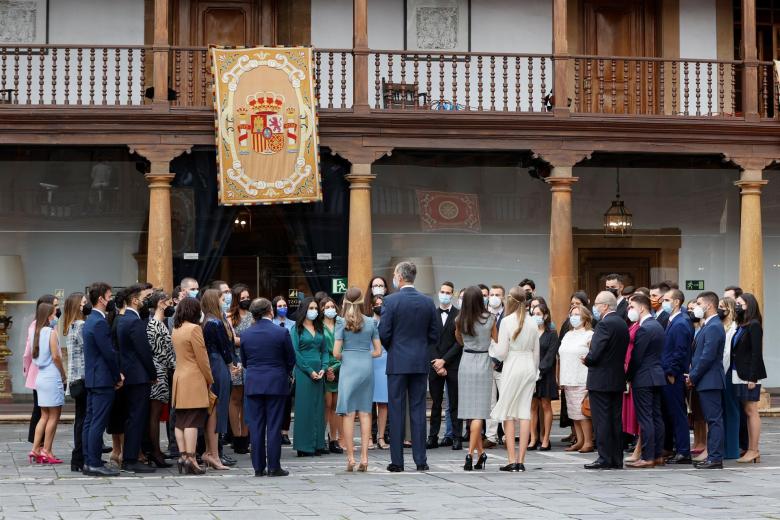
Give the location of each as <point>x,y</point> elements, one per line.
<point>575,321</point>
<point>225,306</point>
<point>312,314</point>
<point>445,299</point>
<point>539,320</point>
<point>485,300</point>
<point>228,299</point>
<point>330,313</point>
<point>282,312</point>
<point>53,322</point>
<point>667,307</point>
<point>193,293</point>
<point>596,313</point>
<point>395,283</point>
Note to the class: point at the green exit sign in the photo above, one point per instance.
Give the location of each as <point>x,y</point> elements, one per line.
<point>694,285</point>
<point>338,285</point>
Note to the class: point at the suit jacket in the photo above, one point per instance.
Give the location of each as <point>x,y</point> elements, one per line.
<point>410,324</point>
<point>192,377</point>
<point>447,348</point>
<point>622,309</point>
<point>101,366</point>
<point>267,354</point>
<point>662,318</point>
<point>607,355</point>
<point>644,368</point>
<point>747,353</point>
<point>707,365</point>
<point>136,360</point>
<point>676,358</point>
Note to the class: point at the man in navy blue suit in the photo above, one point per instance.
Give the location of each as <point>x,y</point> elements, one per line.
<point>676,360</point>
<point>707,375</point>
<point>101,377</point>
<point>409,325</point>
<point>268,356</point>
<point>137,364</point>
<point>647,377</point>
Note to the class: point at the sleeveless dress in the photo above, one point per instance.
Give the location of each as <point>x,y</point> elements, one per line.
<point>356,382</point>
<point>521,369</point>
<point>48,382</point>
<point>475,373</point>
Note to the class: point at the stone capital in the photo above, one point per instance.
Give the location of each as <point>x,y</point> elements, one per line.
<point>360,181</point>
<point>560,183</point>
<point>750,187</point>
<point>749,163</point>
<point>353,151</point>
<point>160,156</point>
<point>562,158</point>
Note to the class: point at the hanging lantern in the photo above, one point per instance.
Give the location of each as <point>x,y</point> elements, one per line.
<point>617,219</point>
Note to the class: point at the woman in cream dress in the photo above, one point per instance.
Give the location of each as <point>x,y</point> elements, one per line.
<point>518,348</point>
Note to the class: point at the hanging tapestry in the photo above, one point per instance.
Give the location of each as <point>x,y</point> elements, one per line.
<point>267,147</point>
<point>448,211</point>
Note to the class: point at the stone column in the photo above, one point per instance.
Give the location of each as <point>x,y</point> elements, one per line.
<point>360,259</point>
<point>159,259</point>
<point>751,240</point>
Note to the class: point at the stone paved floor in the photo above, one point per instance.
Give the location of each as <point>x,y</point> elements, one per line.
<point>555,486</point>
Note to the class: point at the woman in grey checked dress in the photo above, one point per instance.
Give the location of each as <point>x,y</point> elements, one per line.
<point>474,329</point>
<point>240,319</point>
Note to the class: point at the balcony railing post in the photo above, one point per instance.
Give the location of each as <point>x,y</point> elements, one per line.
<point>750,56</point>
<point>560,60</point>
<point>161,49</point>
<point>360,57</point>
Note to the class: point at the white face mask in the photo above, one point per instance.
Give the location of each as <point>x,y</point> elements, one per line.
<point>698,312</point>
<point>575,320</point>
<point>538,320</point>
<point>378,291</point>
<point>633,315</point>
<point>494,302</point>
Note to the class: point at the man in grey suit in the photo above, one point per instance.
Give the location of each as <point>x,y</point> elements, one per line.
<point>409,325</point>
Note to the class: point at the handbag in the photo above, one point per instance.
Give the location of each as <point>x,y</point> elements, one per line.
<point>77,388</point>
<point>212,401</point>
<point>586,406</point>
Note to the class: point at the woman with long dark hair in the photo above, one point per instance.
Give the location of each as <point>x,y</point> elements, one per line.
<point>76,311</point>
<point>311,358</point>
<point>547,386</point>
<point>279,305</point>
<point>474,328</point>
<point>164,360</point>
<point>747,356</point>
<point>30,369</point>
<point>240,319</point>
<point>380,378</point>
<point>330,322</point>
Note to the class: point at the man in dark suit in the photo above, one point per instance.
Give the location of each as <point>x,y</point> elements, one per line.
<point>607,381</point>
<point>445,358</point>
<point>647,378</point>
<point>410,324</point>
<point>137,364</point>
<point>675,361</point>
<point>707,375</point>
<point>614,284</point>
<point>657,292</point>
<point>268,356</point>
<point>101,378</point>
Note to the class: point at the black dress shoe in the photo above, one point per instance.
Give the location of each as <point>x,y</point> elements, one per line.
<point>423,467</point>
<point>335,448</point>
<point>597,465</point>
<point>393,468</point>
<point>102,471</point>
<point>512,466</point>
<point>457,445</point>
<point>533,446</point>
<point>286,440</point>
<point>520,467</point>
<point>278,473</point>
<point>432,443</point>
<point>446,441</point>
<point>320,452</point>
<point>76,467</point>
<point>228,460</point>
<point>679,459</point>
<point>260,473</point>
<point>709,464</point>
<point>137,467</point>
<point>545,448</point>
<point>160,462</point>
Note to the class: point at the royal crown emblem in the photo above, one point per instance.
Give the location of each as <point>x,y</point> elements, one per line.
<point>262,117</point>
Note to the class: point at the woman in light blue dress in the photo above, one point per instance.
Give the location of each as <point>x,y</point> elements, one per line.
<point>380,379</point>
<point>50,384</point>
<point>357,341</point>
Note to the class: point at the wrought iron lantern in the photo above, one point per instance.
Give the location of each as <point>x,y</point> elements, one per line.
<point>617,219</point>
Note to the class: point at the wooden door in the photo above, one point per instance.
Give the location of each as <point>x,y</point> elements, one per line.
<point>634,264</point>
<point>618,28</point>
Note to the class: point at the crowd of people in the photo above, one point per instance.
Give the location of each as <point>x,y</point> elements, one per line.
<point>637,366</point>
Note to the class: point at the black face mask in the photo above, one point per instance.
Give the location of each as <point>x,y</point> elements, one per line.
<point>377,310</point>
<point>146,303</point>
<point>722,313</point>
<point>244,305</point>
<point>111,306</point>
<point>58,313</point>
<point>613,291</point>
<point>693,318</point>
<point>169,311</point>
<point>87,309</point>
<point>740,313</point>
<point>529,296</point>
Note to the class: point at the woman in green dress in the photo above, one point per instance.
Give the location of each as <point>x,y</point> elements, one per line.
<point>330,318</point>
<point>311,359</point>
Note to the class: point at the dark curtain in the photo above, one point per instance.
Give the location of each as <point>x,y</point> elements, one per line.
<point>323,227</point>
<point>213,223</point>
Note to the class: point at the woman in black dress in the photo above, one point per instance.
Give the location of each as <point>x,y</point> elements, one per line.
<point>547,386</point>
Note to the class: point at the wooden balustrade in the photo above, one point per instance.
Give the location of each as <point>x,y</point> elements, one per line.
<point>656,86</point>
<point>73,75</point>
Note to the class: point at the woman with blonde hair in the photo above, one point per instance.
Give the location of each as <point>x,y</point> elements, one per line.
<point>727,313</point>
<point>574,374</point>
<point>518,348</point>
<point>356,343</point>
<point>76,311</point>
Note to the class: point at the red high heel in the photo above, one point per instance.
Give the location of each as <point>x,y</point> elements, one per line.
<point>34,458</point>
<point>48,458</point>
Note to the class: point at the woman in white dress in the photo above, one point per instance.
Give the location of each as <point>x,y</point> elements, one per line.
<point>518,348</point>
<point>574,374</point>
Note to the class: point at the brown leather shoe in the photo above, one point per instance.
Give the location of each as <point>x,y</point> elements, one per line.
<point>642,464</point>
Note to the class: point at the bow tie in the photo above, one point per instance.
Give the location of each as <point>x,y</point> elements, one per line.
<point>445,311</point>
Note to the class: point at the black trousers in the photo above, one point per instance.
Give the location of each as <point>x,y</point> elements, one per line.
<point>607,410</point>
<point>436,387</point>
<point>34,418</point>
<point>77,455</point>
<point>137,420</point>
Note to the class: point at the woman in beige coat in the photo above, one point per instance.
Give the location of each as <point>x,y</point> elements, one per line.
<point>191,381</point>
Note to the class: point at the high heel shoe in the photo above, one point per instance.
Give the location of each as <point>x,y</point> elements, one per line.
<point>481,461</point>
<point>116,460</point>
<point>468,466</point>
<point>159,461</point>
<point>533,446</point>
<point>34,458</point>
<point>381,444</point>
<point>756,459</point>
<point>190,465</point>
<point>350,466</point>
<point>48,458</point>
<point>362,467</point>
<point>546,448</point>
<point>213,462</point>
<point>180,464</point>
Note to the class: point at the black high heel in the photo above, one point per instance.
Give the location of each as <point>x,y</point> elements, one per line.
<point>508,467</point>
<point>468,466</point>
<point>481,461</point>
<point>545,448</point>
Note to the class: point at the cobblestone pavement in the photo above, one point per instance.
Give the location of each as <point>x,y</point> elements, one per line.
<point>555,486</point>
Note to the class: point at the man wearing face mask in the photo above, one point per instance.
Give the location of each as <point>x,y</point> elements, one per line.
<point>647,377</point>
<point>614,284</point>
<point>675,360</point>
<point>445,358</point>
<point>657,292</point>
<point>495,306</point>
<point>707,375</point>
<point>528,285</point>
<point>137,363</point>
